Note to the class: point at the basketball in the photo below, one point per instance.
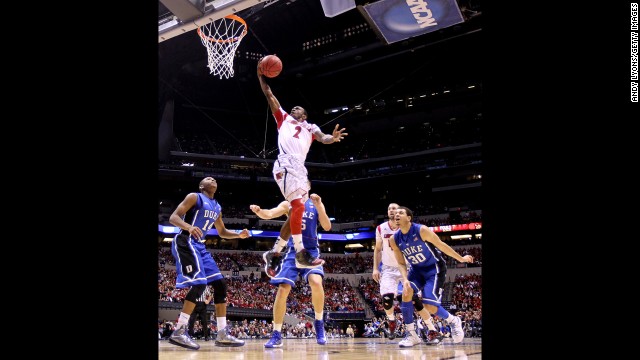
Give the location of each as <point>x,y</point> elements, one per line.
<point>270,66</point>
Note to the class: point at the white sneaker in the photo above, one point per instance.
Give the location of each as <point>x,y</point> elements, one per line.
<point>410,339</point>
<point>457,334</point>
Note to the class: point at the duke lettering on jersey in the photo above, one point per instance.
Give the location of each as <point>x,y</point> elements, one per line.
<point>412,250</point>
<point>203,215</point>
<point>417,251</point>
<point>211,214</point>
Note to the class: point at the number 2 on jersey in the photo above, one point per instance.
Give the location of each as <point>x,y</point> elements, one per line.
<point>298,132</point>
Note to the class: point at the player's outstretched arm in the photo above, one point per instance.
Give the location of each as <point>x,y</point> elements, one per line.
<point>281,209</point>
<point>336,136</point>
<point>427,235</point>
<point>274,104</point>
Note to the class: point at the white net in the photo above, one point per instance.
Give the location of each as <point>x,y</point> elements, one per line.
<point>221,38</point>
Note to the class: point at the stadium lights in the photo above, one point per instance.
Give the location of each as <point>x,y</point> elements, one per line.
<point>456,237</point>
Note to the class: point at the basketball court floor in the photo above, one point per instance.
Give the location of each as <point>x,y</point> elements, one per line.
<point>335,349</point>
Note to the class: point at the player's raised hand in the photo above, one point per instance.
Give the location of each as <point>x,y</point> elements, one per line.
<point>315,198</point>
<point>255,208</point>
<point>338,134</point>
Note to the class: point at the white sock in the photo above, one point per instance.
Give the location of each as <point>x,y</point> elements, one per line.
<point>319,315</point>
<point>222,322</point>
<point>411,327</point>
<point>429,323</point>
<point>183,319</point>
<point>450,319</point>
<point>297,242</point>
<point>391,317</point>
<point>279,245</point>
<point>277,327</point>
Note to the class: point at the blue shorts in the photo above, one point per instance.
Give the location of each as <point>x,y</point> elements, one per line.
<point>289,272</point>
<point>430,281</point>
<point>194,264</point>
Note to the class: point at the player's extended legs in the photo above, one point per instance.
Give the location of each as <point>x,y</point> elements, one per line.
<point>433,335</point>
<point>457,333</point>
<point>317,299</point>
<point>224,338</point>
<point>273,258</point>
<point>411,338</point>
<point>280,304</point>
<point>279,309</point>
<point>181,336</point>
<point>387,303</point>
<point>304,260</point>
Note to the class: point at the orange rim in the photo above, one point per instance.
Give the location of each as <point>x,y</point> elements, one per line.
<point>232,17</point>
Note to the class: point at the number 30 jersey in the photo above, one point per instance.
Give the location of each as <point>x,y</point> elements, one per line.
<point>419,253</point>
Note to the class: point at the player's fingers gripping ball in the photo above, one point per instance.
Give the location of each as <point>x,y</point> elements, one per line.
<point>270,66</point>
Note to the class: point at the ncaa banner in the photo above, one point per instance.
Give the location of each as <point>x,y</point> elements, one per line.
<point>395,20</point>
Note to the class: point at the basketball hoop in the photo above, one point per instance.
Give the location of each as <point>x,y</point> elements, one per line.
<point>221,38</point>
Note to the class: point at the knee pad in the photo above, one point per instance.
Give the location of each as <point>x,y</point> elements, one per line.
<point>219,291</point>
<point>417,303</point>
<point>399,298</point>
<point>195,292</point>
<point>387,301</point>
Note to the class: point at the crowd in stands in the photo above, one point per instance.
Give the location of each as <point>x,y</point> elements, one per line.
<point>255,292</point>
<point>467,292</point>
<point>231,212</point>
<point>352,264</point>
<point>345,265</point>
<point>476,252</point>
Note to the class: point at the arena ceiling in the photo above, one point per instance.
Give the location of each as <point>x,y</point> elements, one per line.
<point>337,70</point>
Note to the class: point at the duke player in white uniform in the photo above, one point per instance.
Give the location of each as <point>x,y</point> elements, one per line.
<point>195,266</point>
<point>423,249</point>
<point>387,274</point>
<point>295,136</point>
<point>286,275</point>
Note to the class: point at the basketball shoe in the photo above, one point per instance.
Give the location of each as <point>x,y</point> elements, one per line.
<point>410,339</point>
<point>319,324</point>
<point>392,329</point>
<point>272,262</point>
<point>433,337</point>
<point>275,341</point>
<point>457,334</point>
<point>181,337</point>
<point>304,260</point>
<point>225,339</point>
